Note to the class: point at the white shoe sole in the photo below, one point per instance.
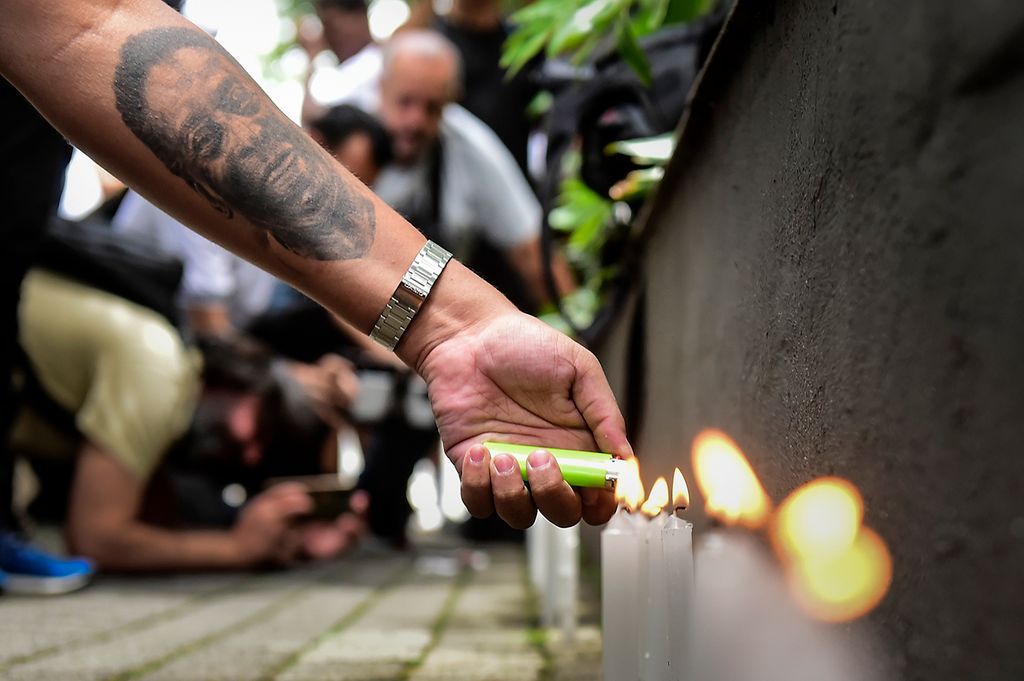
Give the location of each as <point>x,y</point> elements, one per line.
<point>44,586</point>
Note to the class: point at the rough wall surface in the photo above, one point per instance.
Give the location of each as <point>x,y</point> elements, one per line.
<point>835,277</point>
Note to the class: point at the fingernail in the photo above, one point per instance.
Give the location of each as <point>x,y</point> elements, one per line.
<point>503,463</point>
<point>476,454</point>
<point>539,459</point>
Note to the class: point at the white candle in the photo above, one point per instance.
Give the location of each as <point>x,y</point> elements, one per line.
<point>620,597</point>
<point>567,579</point>
<point>654,653</point>
<point>535,555</point>
<point>549,604</point>
<point>653,635</point>
<point>677,551</point>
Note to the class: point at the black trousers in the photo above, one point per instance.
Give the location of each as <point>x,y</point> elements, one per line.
<point>33,157</point>
<point>18,248</point>
<point>394,448</point>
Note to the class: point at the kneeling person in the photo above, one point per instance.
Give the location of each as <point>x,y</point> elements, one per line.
<point>131,386</point>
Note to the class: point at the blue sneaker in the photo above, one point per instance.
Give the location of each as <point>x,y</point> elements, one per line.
<point>31,571</point>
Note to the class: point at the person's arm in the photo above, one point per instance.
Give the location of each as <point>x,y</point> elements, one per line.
<point>210,318</point>
<point>103,525</point>
<point>159,103</point>
<point>156,101</point>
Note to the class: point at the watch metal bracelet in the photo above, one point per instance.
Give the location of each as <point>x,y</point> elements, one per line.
<point>414,288</point>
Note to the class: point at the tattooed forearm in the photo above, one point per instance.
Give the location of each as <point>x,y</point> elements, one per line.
<point>211,125</point>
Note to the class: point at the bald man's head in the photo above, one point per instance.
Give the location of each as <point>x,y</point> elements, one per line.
<point>421,74</point>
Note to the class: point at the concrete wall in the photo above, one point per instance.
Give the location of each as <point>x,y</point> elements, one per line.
<point>835,276</point>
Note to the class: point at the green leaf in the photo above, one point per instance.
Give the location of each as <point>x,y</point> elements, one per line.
<point>654,16</point>
<point>567,37</point>
<point>631,52</point>
<point>540,104</point>
<point>607,11</point>
<point>539,11</point>
<point>588,46</point>
<point>583,213</point>
<point>646,150</point>
<point>513,60</point>
<point>682,11</point>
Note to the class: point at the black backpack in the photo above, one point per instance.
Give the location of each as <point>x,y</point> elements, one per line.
<point>605,101</point>
<point>125,265</point>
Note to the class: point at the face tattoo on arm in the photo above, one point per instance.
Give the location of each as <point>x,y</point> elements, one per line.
<point>195,108</point>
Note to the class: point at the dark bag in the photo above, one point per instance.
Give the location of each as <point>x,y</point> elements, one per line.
<point>127,266</point>
<point>90,252</point>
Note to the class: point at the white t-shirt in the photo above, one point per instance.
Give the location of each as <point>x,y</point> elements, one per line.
<point>353,81</point>
<point>483,191</point>
<point>212,274</point>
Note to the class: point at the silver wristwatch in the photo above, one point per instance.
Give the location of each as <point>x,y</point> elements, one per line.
<point>409,296</point>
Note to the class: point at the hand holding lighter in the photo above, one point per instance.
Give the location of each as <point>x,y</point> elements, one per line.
<point>579,468</point>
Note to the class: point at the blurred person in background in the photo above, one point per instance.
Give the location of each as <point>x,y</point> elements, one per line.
<point>222,294</point>
<point>33,159</point>
<point>345,31</point>
<point>111,389</point>
<point>452,177</point>
<point>355,138</point>
<point>479,31</point>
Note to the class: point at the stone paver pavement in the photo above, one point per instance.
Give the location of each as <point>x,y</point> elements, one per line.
<point>448,614</point>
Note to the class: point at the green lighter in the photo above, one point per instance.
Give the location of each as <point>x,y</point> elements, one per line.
<point>580,469</point>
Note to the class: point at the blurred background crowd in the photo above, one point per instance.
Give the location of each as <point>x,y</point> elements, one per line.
<point>175,407</point>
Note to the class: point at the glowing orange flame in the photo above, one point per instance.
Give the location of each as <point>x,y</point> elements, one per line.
<point>680,492</point>
<point>629,490</point>
<point>728,483</point>
<point>845,586</point>
<point>657,500</point>
<point>820,519</point>
<point>837,570</point>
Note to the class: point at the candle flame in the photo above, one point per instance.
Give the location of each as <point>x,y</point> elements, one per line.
<point>846,586</point>
<point>680,492</point>
<point>820,519</point>
<point>629,490</point>
<point>836,569</point>
<point>657,500</point>
<point>732,491</point>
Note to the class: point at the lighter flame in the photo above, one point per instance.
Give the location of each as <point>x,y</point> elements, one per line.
<point>732,491</point>
<point>657,500</point>
<point>629,490</point>
<point>680,492</point>
<point>819,520</point>
<point>846,586</point>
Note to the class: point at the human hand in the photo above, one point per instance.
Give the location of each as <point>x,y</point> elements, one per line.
<point>513,378</point>
<point>331,385</point>
<point>265,532</point>
<point>330,538</point>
